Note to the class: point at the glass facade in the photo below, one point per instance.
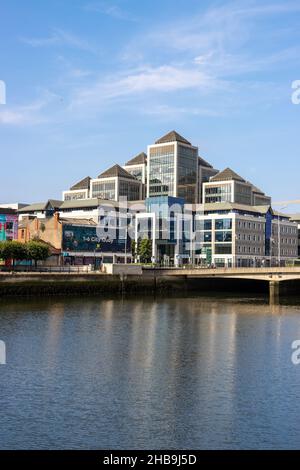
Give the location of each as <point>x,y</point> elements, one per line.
<point>162,171</point>
<point>220,193</point>
<point>104,189</point>
<point>145,228</point>
<point>203,230</point>
<point>215,234</point>
<point>187,173</point>
<point>75,196</point>
<point>223,236</point>
<point>137,172</point>
<point>129,189</point>
<point>223,249</point>
<point>203,224</point>
<point>223,224</point>
<point>166,210</point>
<point>242,193</point>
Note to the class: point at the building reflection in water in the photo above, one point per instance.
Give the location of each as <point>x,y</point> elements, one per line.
<point>164,372</point>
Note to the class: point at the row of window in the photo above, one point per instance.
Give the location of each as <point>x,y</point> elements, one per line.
<point>161,171</point>
<point>250,249</point>
<point>218,194</point>
<point>250,225</point>
<point>259,250</point>
<point>220,236</point>
<point>242,193</point>
<point>75,196</point>
<point>219,224</point>
<point>284,229</point>
<point>249,237</point>
<point>104,190</point>
<point>289,241</point>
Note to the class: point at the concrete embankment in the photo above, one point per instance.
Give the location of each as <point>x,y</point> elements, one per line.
<point>23,284</point>
<point>135,280</point>
<point>150,281</point>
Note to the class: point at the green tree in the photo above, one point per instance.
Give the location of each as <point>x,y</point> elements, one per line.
<point>37,251</point>
<point>145,250</point>
<point>13,250</point>
<point>133,249</point>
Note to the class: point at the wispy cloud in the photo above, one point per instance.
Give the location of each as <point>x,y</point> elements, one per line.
<point>60,37</point>
<point>216,38</point>
<point>200,55</point>
<point>28,114</point>
<point>21,115</point>
<point>110,9</point>
<point>168,111</point>
<point>163,79</point>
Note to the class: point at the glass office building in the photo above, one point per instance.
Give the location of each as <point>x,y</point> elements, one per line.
<point>187,163</point>
<point>161,175</point>
<point>173,168</point>
<point>104,189</point>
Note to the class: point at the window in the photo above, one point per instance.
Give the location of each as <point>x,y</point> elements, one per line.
<point>207,237</point>
<point>223,224</point>
<point>162,171</point>
<point>203,224</point>
<point>223,249</point>
<point>104,189</point>
<point>220,262</point>
<point>187,173</point>
<point>137,172</point>
<point>129,189</point>
<point>218,193</point>
<point>9,225</point>
<point>75,196</point>
<point>223,236</point>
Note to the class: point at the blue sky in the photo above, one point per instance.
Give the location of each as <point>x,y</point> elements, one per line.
<point>90,83</point>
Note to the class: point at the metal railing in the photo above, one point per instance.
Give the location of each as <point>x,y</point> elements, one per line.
<point>48,269</point>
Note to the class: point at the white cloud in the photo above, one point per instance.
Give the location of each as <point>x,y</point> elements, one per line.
<point>109,9</point>
<point>217,39</point>
<point>167,111</point>
<point>60,37</point>
<point>204,53</point>
<point>11,117</point>
<point>164,79</point>
<point>29,114</point>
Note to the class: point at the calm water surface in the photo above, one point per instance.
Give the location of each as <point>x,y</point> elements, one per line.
<point>182,373</point>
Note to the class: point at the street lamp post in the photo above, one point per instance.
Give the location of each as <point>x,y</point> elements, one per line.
<point>126,236</point>
<point>236,238</point>
<point>279,236</point>
<point>279,242</point>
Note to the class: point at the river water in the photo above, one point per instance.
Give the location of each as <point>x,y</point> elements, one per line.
<point>149,373</point>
